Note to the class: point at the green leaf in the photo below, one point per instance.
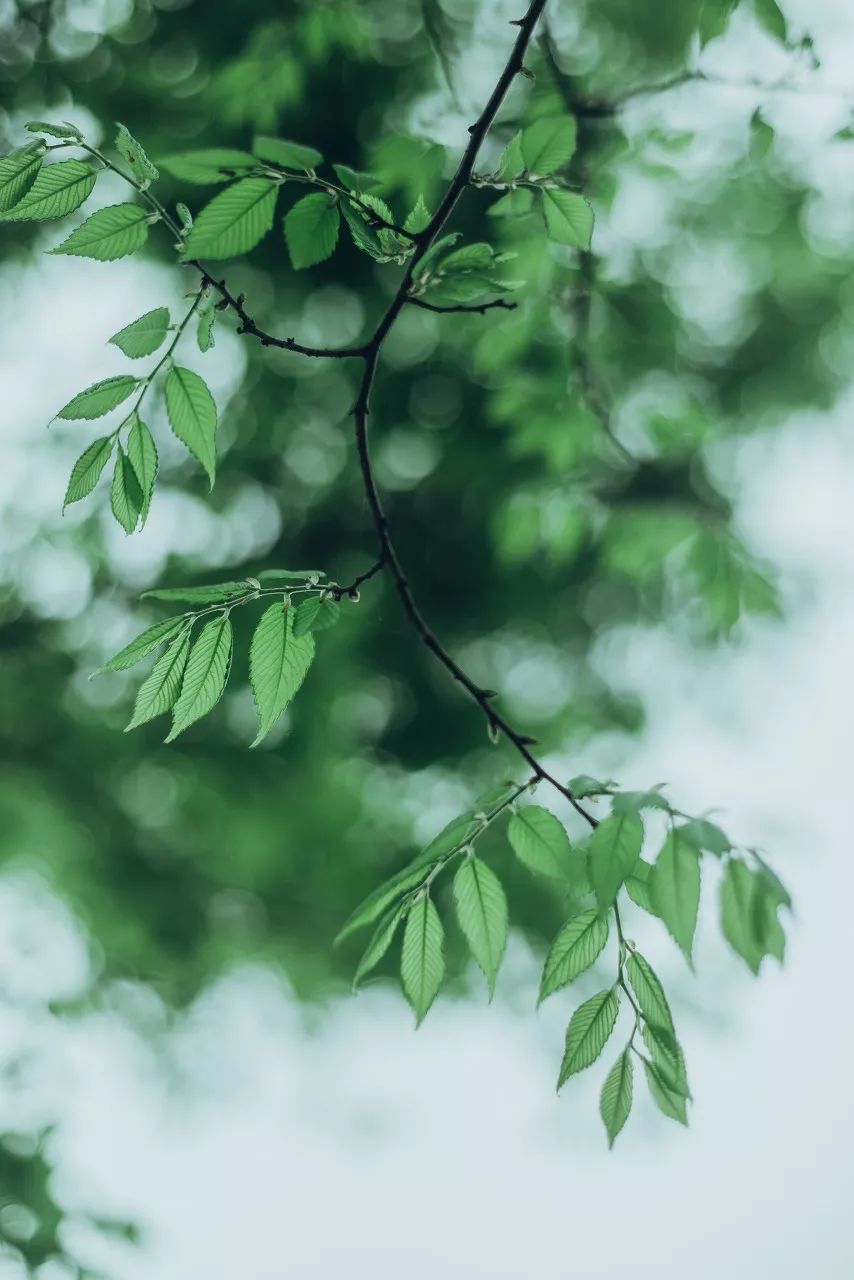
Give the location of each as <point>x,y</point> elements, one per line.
<point>278,662</point>
<point>142,453</point>
<point>588,1033</point>
<point>614,850</point>
<point>18,172</point>
<point>714,19</point>
<point>637,886</point>
<point>100,398</point>
<point>290,575</point>
<point>548,144</point>
<point>376,902</point>
<point>379,944</point>
<point>649,992</point>
<point>364,236</point>
<point>205,677</point>
<point>311,229</point>
<point>143,644</point>
<point>515,204</point>
<point>771,17</point>
<point>142,337</point>
<point>569,218</point>
<point>159,690</point>
<point>635,801</point>
<point>511,163</point>
<point>192,415</point>
<point>288,155</point>
<point>216,593</point>
<point>482,912</point>
<point>495,798</point>
<point>418,219</point>
<point>582,786</point>
<point>234,221</point>
<point>667,1056</point>
<point>615,1100</point>
<point>668,1102</point>
<point>540,842</point>
<point>749,921</point>
<point>675,888</point>
<point>353,179</point>
<point>705,835</point>
<point>436,252</point>
<point>315,614</point>
<point>574,949</point>
<point>65,132</point>
<point>421,964</point>
<point>111,233</point>
<point>58,189</point>
<point>133,154</point>
<point>125,495</point>
<point>209,165</point>
<point>87,469</point>
<point>205,327</point>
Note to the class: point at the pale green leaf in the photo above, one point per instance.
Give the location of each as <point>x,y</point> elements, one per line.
<point>675,888</point>
<point>588,1033</point>
<point>125,495</point>
<point>574,949</point>
<point>613,852</point>
<point>159,690</point>
<point>142,337</point>
<point>58,189</point>
<point>87,469</point>
<point>482,912</point>
<point>100,398</point>
<point>143,644</point>
<point>315,614</point>
<point>421,963</point>
<point>668,1102</point>
<point>65,132</point>
<point>209,165</point>
<point>615,1100</point>
<point>142,453</point>
<point>311,229</point>
<point>234,221</point>
<point>514,204</point>
<point>278,662</point>
<point>379,943</point>
<point>287,155</point>
<point>539,841</point>
<point>205,676</point>
<point>133,154</point>
<point>569,218</point>
<point>649,991</point>
<point>637,886</point>
<point>111,233</point>
<point>18,172</point>
<point>548,144</point>
<point>511,163</point>
<point>192,415</point>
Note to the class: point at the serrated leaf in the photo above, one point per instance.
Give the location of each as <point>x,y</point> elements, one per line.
<point>548,144</point>
<point>667,1056</point>
<point>418,219</point>
<point>569,218</point>
<point>142,337</point>
<point>315,614</point>
<point>669,1103</point>
<point>65,132</point>
<point>209,165</point>
<point>18,172</point>
<point>111,233</point>
<point>539,841</point>
<point>588,1033</point>
<point>159,690</point>
<point>235,221</point>
<point>100,398</point>
<point>215,593</point>
<point>376,902</point>
<point>205,675</point>
<point>311,229</point>
<point>511,163</point>
<point>278,663</point>
<point>482,912</point>
<point>637,886</point>
<point>125,494</point>
<point>134,155</point>
<point>379,944</point>
<point>575,948</point>
<point>142,454</point>
<point>471,257</point>
<point>675,888</point>
<point>614,850</point>
<point>192,416</point>
<point>288,155</point>
<point>58,189</point>
<point>649,992</point>
<point>87,469</point>
<point>143,644</point>
<point>615,1100</point>
<point>421,963</point>
<point>364,236</point>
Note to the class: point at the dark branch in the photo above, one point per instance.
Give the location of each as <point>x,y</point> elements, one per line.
<point>479,310</point>
<point>352,588</point>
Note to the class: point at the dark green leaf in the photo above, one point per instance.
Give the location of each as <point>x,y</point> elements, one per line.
<point>574,949</point>
<point>714,19</point>
<point>288,155</point>
<point>635,801</point>
<point>772,18</point>
<point>588,1033</point>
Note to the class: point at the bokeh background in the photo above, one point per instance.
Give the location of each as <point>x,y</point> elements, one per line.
<point>186,1086</point>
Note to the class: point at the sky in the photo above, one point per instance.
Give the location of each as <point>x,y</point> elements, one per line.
<point>255,1140</point>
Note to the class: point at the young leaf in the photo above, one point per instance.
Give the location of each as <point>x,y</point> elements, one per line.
<point>649,992</point>
<point>614,851</point>
<point>192,415</point>
<point>125,495</point>
<point>142,454</point>
<point>379,944</point>
<point>540,841</point>
<point>209,165</point>
<point>133,154</point>
<point>100,398</point>
<point>421,964</point>
<point>111,233</point>
<point>65,132</point>
<point>288,155</point>
<point>588,1032</point>
<point>159,690</point>
<point>574,949</point>
<point>87,470</point>
<point>205,676</point>
<point>547,144</point>
<point>315,614</point>
<point>311,229</point>
<point>58,189</point>
<point>419,218</point>
<point>569,218</point>
<point>234,221</point>
<point>615,1101</point>
<point>142,337</point>
<point>482,912</point>
<point>216,593</point>
<point>18,171</point>
<point>143,644</point>
<point>278,662</point>
<point>668,1102</point>
<point>675,888</point>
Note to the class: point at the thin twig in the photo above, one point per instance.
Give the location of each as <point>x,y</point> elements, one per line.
<point>499,303</point>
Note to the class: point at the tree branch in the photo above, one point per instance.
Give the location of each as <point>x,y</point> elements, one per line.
<point>479,310</point>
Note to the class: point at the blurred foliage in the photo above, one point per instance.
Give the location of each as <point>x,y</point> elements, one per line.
<point>554,473</point>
